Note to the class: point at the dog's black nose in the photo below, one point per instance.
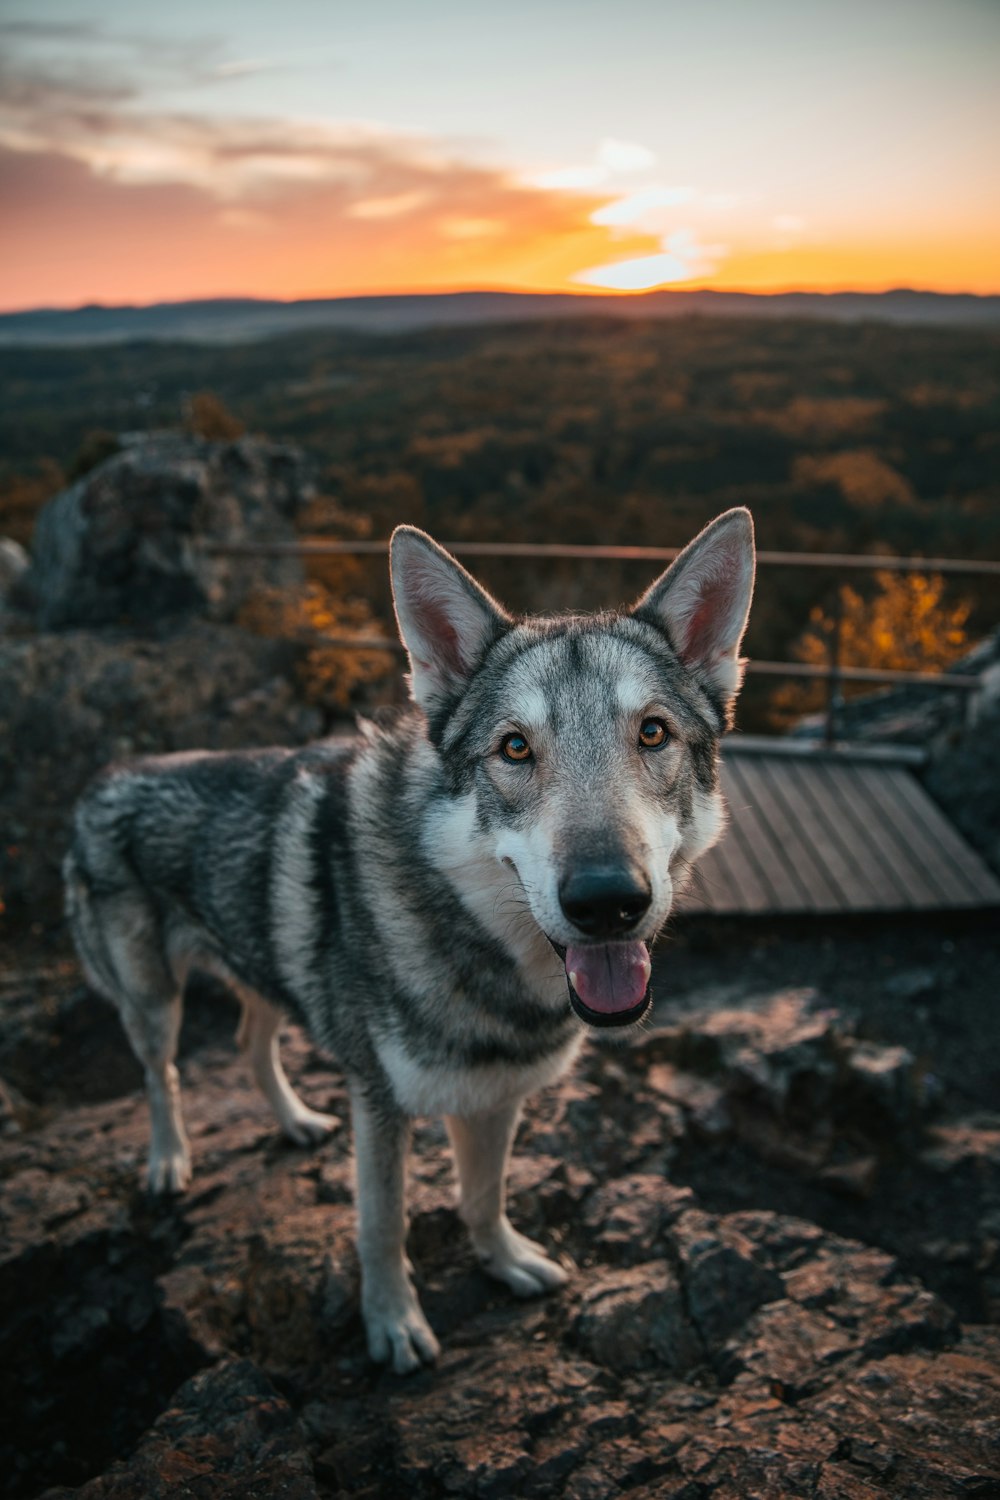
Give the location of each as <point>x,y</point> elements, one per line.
<point>605,901</point>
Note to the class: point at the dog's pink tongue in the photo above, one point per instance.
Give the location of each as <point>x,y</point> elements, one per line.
<point>610,977</point>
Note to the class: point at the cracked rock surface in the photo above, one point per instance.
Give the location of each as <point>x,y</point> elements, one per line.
<point>750,1313</point>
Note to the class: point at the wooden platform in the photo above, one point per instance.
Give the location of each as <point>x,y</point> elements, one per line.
<point>814,831</point>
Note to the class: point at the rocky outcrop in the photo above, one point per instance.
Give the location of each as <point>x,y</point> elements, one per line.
<point>74,701</point>
<point>13,570</point>
<point>130,542</point>
<point>212,1345</point>
<point>13,566</point>
<point>962,777</point>
<point>137,652</point>
<point>911,714</point>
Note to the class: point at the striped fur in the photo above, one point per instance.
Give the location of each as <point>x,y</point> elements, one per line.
<point>402,894</point>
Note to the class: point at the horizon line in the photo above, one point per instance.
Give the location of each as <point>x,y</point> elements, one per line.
<point>584,294</point>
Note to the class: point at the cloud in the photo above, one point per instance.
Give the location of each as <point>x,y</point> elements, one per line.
<point>79,59</point>
<point>625,156</point>
<point>22,29</point>
<point>242,67</point>
<point>682,258</point>
<point>571,179</point>
<point>647,208</point>
<point>200,208</point>
<point>394,207</point>
<point>39,104</point>
<point>612,159</point>
<point>106,198</point>
<point>638,208</point>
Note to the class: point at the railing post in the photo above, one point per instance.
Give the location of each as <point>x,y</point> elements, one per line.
<point>834,696</point>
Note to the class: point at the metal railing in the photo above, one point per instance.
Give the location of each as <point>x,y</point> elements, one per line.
<point>556,551</point>
<point>834,673</point>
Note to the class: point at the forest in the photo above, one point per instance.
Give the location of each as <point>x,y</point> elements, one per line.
<point>868,438</point>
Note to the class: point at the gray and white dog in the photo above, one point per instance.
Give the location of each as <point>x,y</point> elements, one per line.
<point>448,904</point>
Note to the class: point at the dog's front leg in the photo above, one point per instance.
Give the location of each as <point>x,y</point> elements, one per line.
<point>397,1330</point>
<point>482,1146</point>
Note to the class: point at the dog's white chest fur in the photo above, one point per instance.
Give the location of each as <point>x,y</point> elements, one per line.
<point>442,1090</point>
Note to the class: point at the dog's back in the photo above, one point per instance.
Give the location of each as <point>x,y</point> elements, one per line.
<point>173,863</point>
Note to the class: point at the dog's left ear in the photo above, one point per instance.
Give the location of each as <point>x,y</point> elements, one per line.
<point>446,620</point>
<point>703,599</point>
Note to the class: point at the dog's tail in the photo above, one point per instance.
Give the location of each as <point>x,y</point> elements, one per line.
<point>86,927</point>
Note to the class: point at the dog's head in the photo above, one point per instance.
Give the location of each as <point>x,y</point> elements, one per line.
<point>584,747</point>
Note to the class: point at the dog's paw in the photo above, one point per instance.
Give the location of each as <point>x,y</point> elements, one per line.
<point>169,1171</point>
<point>307,1127</point>
<point>514,1259</point>
<point>398,1333</point>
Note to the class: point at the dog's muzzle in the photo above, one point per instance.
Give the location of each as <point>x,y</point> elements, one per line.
<point>608,982</point>
<point>608,972</point>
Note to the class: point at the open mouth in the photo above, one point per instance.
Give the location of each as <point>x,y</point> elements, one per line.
<point>608,982</point>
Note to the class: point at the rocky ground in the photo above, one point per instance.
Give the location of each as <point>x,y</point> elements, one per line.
<point>783,1204</point>
<point>783,1207</point>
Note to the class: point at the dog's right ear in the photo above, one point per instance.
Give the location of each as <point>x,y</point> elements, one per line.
<point>703,599</point>
<point>446,620</point>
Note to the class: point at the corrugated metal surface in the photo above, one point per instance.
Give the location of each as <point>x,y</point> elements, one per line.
<point>822,832</point>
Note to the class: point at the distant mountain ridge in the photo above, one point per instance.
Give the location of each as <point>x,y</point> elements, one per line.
<point>245,319</point>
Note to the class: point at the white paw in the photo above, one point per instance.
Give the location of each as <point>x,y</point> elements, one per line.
<point>514,1259</point>
<point>398,1332</point>
<point>169,1170</point>
<point>307,1127</point>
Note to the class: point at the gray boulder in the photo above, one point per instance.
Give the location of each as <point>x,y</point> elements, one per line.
<point>13,568</point>
<point>13,562</point>
<point>73,701</point>
<point>129,543</point>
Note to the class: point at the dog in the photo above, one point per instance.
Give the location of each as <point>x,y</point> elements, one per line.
<point>448,902</point>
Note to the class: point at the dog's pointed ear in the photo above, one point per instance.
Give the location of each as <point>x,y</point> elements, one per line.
<point>446,620</point>
<point>703,599</point>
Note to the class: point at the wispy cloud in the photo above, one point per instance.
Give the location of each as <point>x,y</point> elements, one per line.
<point>396,206</point>
<point>22,28</point>
<point>613,159</point>
<point>683,257</point>
<point>640,208</point>
<point>242,67</point>
<point>657,210</point>
<point>86,58</point>
<point>209,203</point>
<point>164,204</point>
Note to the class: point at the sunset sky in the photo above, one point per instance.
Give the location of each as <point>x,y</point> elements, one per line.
<point>322,148</point>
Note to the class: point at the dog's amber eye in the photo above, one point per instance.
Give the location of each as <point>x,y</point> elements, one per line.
<point>653,734</point>
<point>515,747</point>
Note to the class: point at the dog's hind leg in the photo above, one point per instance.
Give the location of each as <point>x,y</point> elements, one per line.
<point>119,942</point>
<point>395,1324</point>
<point>257,1038</point>
<point>152,1023</point>
<point>481,1144</point>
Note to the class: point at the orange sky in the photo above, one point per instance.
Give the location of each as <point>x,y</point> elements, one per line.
<point>831,147</point>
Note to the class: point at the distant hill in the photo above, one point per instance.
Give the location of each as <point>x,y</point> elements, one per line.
<point>240,320</point>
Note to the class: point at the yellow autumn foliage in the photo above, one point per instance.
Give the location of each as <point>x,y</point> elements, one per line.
<point>329,676</point>
<point>907,625</point>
